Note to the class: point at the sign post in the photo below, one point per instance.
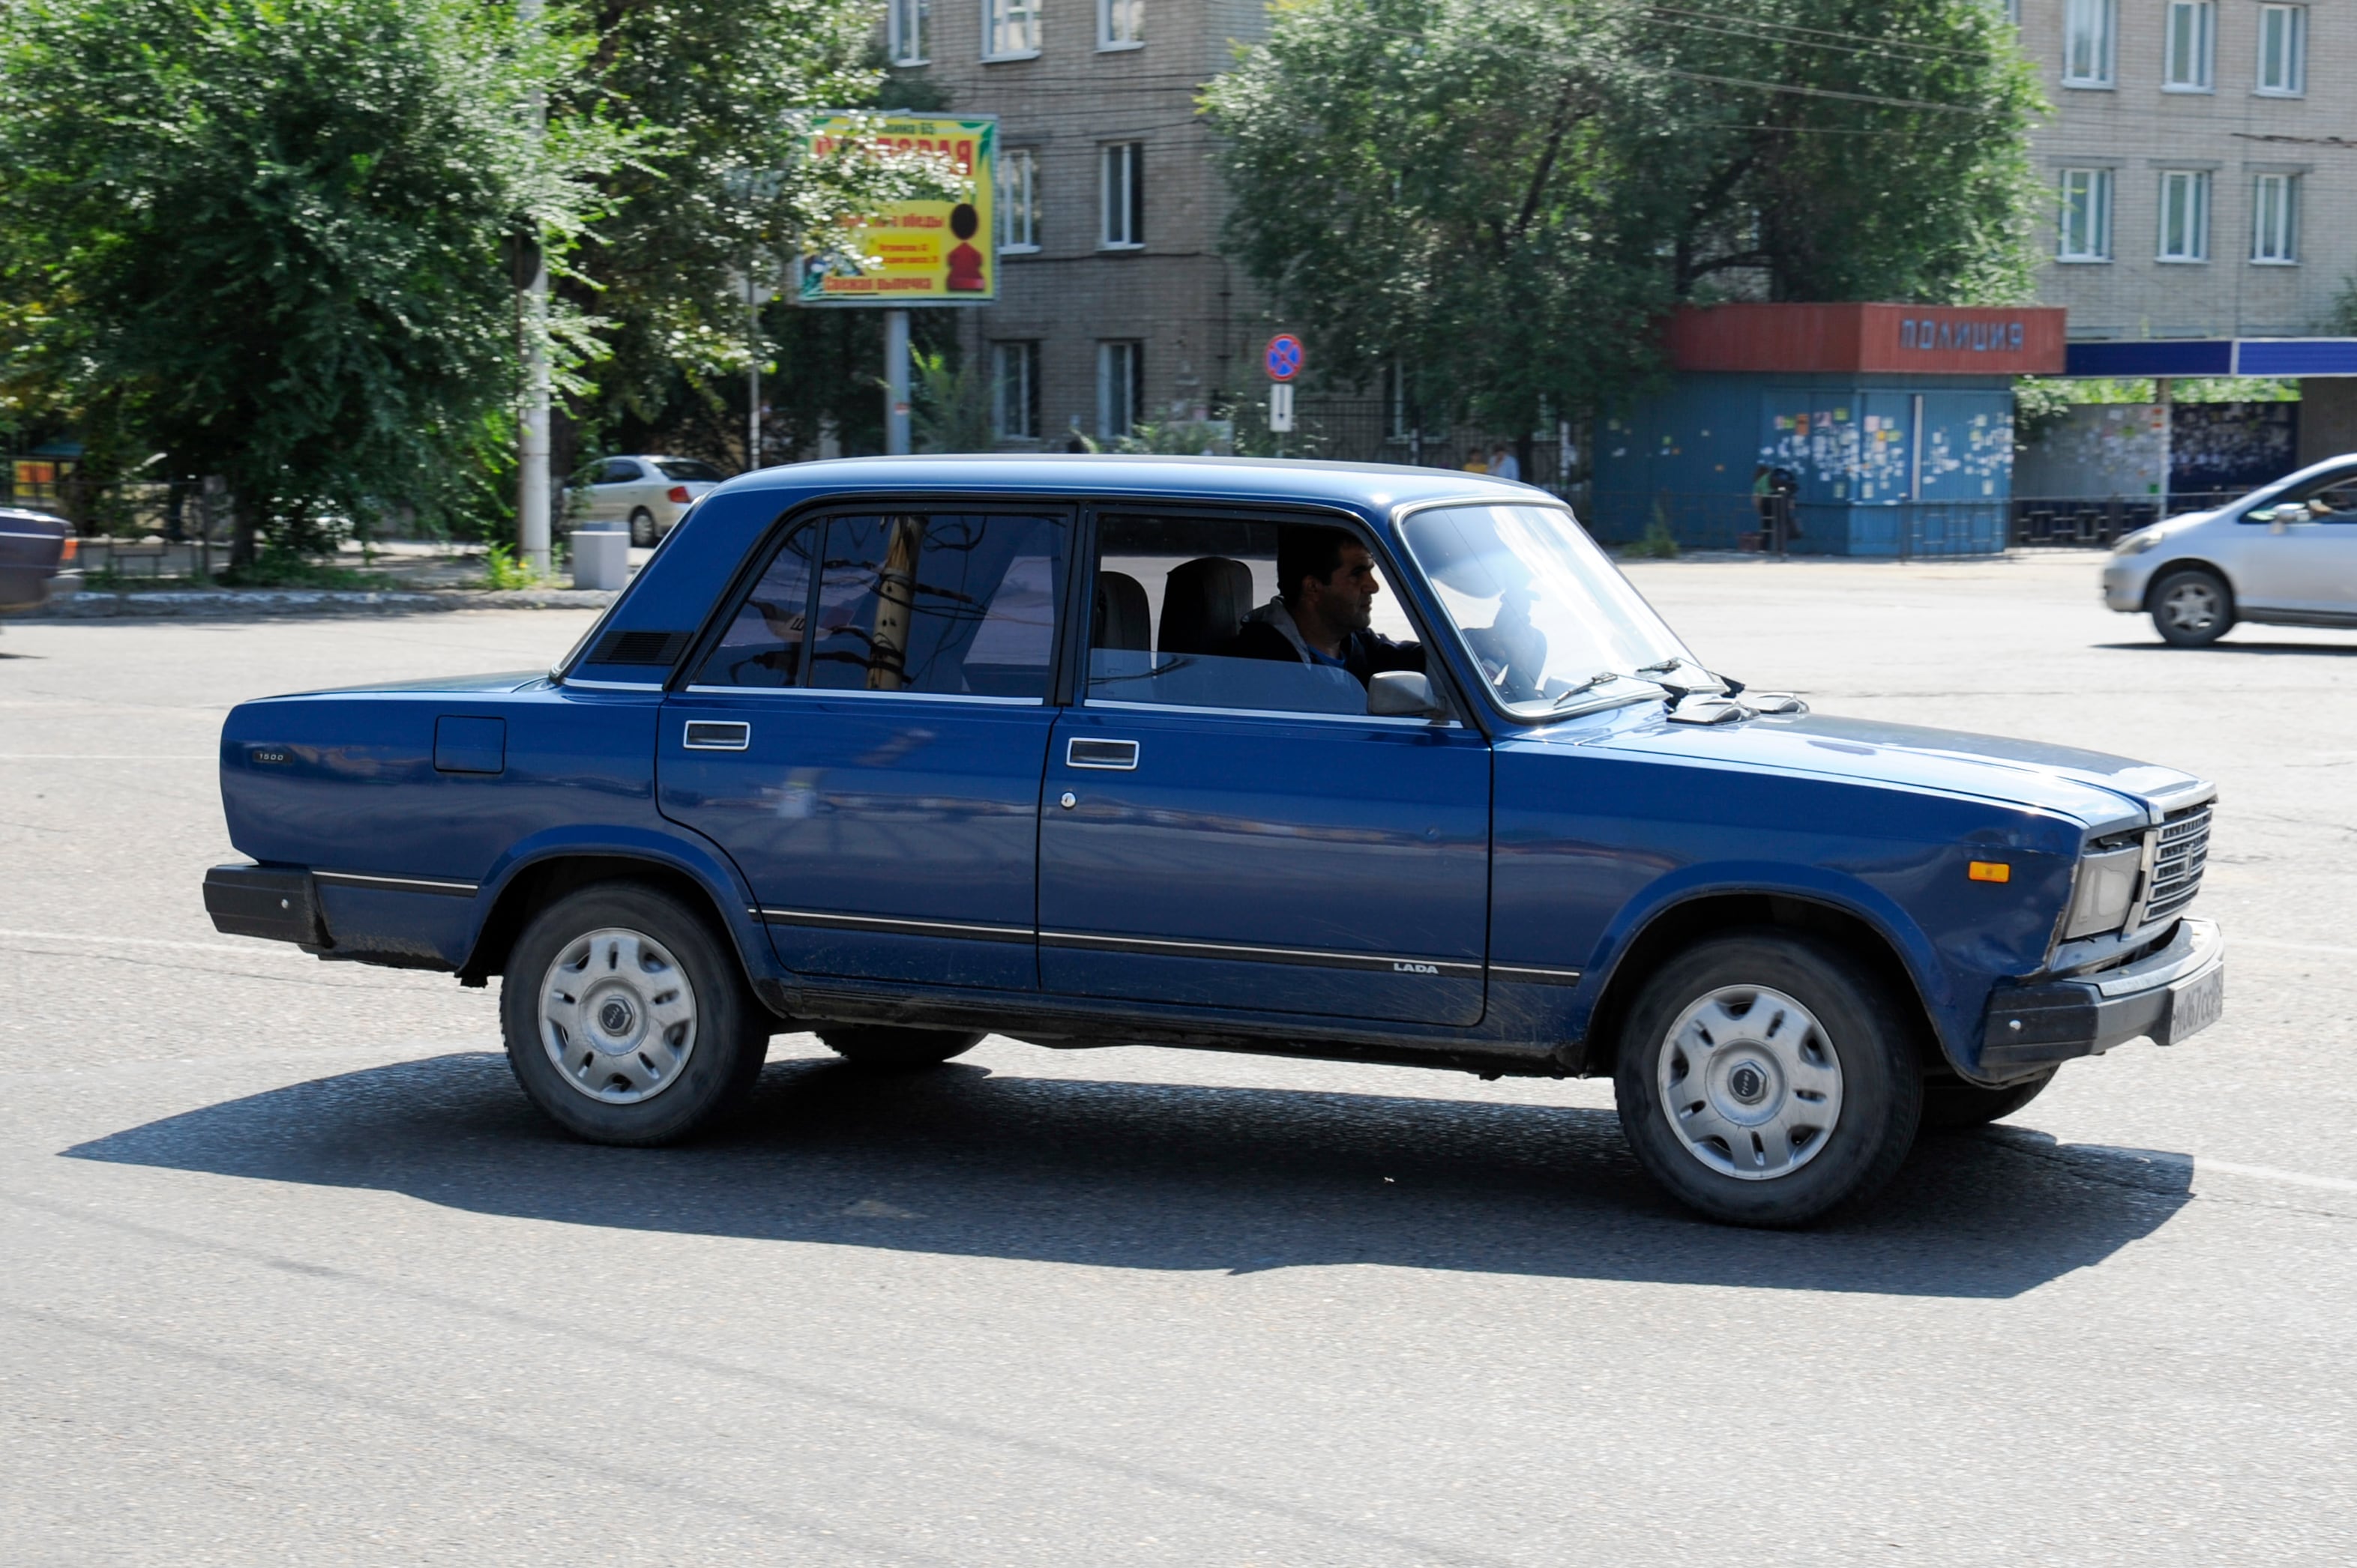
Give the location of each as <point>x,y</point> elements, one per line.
<point>1282,360</point>
<point>940,251</point>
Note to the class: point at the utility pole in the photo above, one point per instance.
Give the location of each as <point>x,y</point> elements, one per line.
<point>895,383</point>
<point>752,370</point>
<point>531,465</point>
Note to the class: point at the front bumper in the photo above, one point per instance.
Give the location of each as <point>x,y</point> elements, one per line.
<point>2124,578</point>
<point>2166,996</point>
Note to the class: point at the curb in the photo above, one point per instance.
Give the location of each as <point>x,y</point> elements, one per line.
<point>162,603</point>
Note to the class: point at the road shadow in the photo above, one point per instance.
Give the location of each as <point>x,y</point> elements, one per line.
<point>964,1162</point>
<point>2276,649</point>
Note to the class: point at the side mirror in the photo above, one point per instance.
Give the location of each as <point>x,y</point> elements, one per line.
<point>2281,517</point>
<point>1402,695</point>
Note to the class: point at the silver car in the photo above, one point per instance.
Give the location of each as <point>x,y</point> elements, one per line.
<point>2285,554</point>
<point>647,494</point>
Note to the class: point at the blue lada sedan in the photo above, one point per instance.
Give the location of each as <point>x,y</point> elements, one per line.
<point>1363,763</point>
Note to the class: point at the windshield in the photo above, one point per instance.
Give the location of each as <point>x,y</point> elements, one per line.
<point>690,470</point>
<point>1540,608</point>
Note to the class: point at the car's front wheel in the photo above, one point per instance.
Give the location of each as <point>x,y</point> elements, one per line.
<point>1767,1078</point>
<point>627,1018</point>
<point>2191,609</point>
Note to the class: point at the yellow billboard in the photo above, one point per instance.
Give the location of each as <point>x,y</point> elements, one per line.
<point>914,252</point>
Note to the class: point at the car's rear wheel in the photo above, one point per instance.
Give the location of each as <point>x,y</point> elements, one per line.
<point>642,527</point>
<point>2193,608</point>
<point>889,1048</point>
<point>627,1018</point>
<point>1952,1103</point>
<point>1768,1078</point>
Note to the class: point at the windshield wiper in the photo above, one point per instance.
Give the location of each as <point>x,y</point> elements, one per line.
<point>1601,678</point>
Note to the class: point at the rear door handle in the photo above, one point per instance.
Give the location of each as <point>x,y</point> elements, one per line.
<point>1112,756</point>
<point>716,735</point>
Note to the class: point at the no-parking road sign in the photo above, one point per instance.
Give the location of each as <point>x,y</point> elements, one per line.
<point>1283,357</point>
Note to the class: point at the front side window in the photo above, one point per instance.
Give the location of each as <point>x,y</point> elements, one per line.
<point>620,471</point>
<point>2089,42</point>
<point>2190,46</point>
<point>1193,612</point>
<point>1123,199</point>
<point>1010,29</point>
<point>904,31</point>
<point>940,604</point>
<point>2184,215</point>
<point>1120,387</point>
<point>1015,390</point>
<point>1016,202</point>
<point>2283,50</point>
<point>2274,218</point>
<point>1121,24</point>
<point>2083,227</point>
<point>1550,621</point>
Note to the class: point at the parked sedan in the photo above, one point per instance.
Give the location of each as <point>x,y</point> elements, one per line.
<point>2283,555</point>
<point>648,494</point>
<point>36,554</point>
<point>1373,764</point>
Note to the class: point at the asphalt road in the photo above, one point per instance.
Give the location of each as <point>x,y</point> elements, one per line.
<point>290,1273</point>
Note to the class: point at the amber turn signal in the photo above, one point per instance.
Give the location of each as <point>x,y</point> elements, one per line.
<point>72,548</point>
<point>1989,871</point>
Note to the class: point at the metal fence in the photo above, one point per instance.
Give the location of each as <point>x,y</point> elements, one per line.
<point>1373,430</point>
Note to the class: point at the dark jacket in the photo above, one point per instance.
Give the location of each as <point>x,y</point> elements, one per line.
<point>1363,652</point>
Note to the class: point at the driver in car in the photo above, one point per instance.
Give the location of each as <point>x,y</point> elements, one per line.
<point>1323,609</point>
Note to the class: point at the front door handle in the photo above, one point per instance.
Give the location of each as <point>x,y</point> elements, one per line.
<point>716,735</point>
<point>1113,755</point>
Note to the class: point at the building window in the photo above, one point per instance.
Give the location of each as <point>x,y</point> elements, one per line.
<point>2184,215</point>
<point>2283,50</point>
<point>2089,34</point>
<point>2274,218</point>
<point>1010,30</point>
<point>1015,390</point>
<point>1125,196</point>
<point>2083,231</point>
<point>1121,24</point>
<point>1120,387</point>
<point>1018,202</point>
<point>904,28</point>
<point>2192,46</point>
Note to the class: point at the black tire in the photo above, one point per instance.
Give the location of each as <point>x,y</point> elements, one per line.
<point>1859,1059</point>
<point>727,1032</point>
<point>886,1047</point>
<point>1952,1103</point>
<point>642,528</point>
<point>2191,608</point>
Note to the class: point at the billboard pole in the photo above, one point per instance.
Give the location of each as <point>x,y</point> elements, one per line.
<point>895,383</point>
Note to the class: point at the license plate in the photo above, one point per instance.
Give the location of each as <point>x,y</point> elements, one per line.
<point>2195,1005</point>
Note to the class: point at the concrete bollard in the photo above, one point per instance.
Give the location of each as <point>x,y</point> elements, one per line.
<point>601,557</point>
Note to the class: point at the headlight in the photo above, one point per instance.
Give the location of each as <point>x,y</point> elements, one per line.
<point>2136,543</point>
<point>2106,887</point>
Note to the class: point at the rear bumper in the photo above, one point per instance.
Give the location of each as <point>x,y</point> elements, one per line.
<point>2165,997</point>
<point>277,903</point>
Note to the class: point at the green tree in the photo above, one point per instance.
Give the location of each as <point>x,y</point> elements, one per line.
<point>1501,198</point>
<point>262,238</point>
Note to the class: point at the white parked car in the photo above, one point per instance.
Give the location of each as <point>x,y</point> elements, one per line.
<point>2285,554</point>
<point>648,494</point>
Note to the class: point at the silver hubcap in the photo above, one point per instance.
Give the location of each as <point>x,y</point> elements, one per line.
<point>1748,1083</point>
<point>2191,606</point>
<point>618,1016</point>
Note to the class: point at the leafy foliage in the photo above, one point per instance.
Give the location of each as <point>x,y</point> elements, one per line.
<point>1502,195</point>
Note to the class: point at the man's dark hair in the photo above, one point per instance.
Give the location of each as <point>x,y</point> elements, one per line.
<point>1309,552</point>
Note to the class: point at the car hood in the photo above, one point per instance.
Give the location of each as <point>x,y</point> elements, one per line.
<point>2097,787</point>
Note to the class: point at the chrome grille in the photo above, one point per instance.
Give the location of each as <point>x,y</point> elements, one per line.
<point>2180,851</point>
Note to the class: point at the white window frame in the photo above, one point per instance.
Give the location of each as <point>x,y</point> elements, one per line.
<point>1121,25</point>
<point>2283,29</point>
<point>2184,200</point>
<point>2188,49</point>
<point>2274,220</point>
<point>1120,387</point>
<point>1014,390</point>
<point>1120,196</point>
<point>2087,190</point>
<point>905,26</point>
<point>1010,30</point>
<point>2090,42</point>
<point>1016,202</point>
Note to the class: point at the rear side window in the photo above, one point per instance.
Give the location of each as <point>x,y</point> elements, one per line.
<point>690,470</point>
<point>943,604</point>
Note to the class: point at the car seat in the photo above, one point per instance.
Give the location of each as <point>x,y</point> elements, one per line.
<point>1203,605</point>
<point>1122,620</point>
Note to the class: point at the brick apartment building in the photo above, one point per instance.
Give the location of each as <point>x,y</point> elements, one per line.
<point>1114,304</point>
